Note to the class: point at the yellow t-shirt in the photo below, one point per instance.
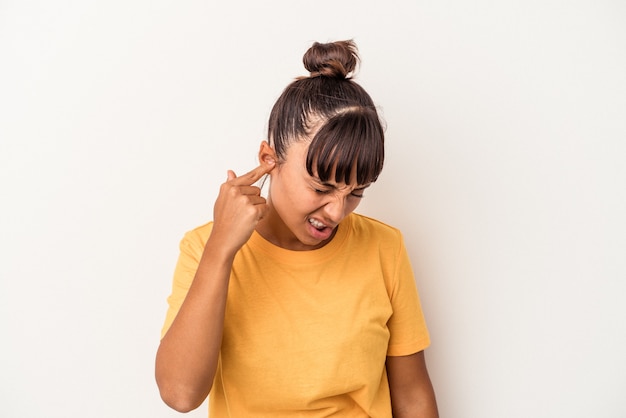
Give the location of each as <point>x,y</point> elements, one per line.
<point>306,333</point>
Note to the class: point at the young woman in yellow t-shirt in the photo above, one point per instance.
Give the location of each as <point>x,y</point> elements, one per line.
<point>293,305</point>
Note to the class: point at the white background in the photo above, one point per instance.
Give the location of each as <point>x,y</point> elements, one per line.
<point>505,171</point>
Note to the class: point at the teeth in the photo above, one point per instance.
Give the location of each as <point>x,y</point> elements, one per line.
<point>316,224</point>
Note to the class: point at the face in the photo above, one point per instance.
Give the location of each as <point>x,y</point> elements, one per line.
<point>304,212</point>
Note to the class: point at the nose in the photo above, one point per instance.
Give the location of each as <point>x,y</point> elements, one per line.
<point>335,209</point>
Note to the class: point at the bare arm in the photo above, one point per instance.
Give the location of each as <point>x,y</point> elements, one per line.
<point>187,357</point>
<point>412,394</point>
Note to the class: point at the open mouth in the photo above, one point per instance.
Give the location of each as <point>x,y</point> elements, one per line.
<point>317,224</point>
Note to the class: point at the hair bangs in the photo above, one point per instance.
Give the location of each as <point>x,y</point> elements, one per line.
<point>349,144</point>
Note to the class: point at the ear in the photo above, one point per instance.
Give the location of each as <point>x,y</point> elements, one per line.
<point>267,155</point>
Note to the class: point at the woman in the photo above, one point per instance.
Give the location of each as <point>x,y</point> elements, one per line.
<point>294,305</point>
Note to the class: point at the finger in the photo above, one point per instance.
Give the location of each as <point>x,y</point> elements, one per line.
<point>252,176</point>
<point>249,190</point>
<point>257,200</point>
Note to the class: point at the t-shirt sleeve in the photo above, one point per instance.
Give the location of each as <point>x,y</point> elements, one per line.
<point>407,326</point>
<point>191,248</point>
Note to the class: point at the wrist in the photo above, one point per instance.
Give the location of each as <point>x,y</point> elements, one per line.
<point>219,251</point>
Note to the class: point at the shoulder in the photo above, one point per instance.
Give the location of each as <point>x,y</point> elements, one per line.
<point>369,228</point>
<point>201,232</point>
<point>195,239</point>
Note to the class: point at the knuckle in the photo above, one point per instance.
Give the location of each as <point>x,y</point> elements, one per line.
<point>225,187</point>
<point>232,191</point>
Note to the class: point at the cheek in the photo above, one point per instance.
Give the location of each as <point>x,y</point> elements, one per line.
<point>289,194</point>
<point>306,200</point>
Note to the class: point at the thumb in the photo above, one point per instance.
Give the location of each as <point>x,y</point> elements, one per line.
<point>230,175</point>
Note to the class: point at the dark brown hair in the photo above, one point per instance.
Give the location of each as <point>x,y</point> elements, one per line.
<point>337,112</point>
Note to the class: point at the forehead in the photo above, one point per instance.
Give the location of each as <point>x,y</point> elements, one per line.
<point>296,156</point>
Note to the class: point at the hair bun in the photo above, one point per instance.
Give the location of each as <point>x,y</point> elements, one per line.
<point>334,59</point>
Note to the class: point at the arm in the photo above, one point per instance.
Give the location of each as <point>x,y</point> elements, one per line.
<point>187,356</point>
<point>412,393</point>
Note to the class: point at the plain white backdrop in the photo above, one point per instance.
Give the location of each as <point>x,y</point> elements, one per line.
<point>505,170</point>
